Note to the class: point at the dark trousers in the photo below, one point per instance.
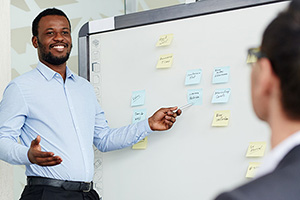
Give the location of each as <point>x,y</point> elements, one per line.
<point>39,192</point>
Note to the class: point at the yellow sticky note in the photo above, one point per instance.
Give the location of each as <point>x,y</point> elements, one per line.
<point>141,144</point>
<point>256,149</point>
<point>165,40</point>
<point>165,61</point>
<point>221,118</point>
<point>252,169</point>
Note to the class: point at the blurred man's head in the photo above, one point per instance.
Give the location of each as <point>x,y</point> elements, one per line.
<point>280,49</point>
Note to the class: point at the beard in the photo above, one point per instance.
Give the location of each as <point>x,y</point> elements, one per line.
<point>50,58</point>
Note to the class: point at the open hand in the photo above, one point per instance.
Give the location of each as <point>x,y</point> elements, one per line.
<point>36,156</point>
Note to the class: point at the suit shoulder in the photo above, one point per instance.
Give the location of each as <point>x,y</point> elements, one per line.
<point>279,185</point>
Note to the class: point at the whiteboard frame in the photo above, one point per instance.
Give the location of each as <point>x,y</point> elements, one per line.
<point>204,7</point>
<point>167,14</point>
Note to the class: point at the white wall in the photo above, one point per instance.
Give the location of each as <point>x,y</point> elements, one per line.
<point>6,170</point>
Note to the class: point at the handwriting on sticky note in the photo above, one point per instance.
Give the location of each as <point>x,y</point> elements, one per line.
<point>165,40</point>
<point>138,115</point>
<point>165,61</point>
<point>256,149</point>
<point>193,77</point>
<point>141,144</point>
<point>138,98</point>
<point>252,169</point>
<point>221,95</point>
<point>221,118</point>
<point>195,96</point>
<point>221,75</point>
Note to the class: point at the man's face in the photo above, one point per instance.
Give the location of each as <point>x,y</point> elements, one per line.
<point>54,42</point>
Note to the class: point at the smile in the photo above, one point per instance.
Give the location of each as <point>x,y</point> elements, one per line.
<point>58,47</point>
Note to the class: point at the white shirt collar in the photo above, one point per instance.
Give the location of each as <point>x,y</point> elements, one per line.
<point>271,161</point>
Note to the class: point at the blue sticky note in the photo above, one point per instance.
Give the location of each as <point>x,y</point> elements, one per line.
<point>221,75</point>
<point>138,98</point>
<point>193,77</point>
<point>138,115</point>
<point>195,96</point>
<point>221,95</point>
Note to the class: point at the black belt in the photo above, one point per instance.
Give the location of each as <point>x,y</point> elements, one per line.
<point>67,185</point>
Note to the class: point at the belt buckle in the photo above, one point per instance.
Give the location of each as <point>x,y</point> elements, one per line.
<point>90,187</point>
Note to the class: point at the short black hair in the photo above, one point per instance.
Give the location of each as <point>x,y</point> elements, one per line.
<point>281,45</point>
<point>48,11</point>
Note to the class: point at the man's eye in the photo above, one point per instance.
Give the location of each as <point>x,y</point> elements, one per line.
<point>65,32</point>
<point>49,33</point>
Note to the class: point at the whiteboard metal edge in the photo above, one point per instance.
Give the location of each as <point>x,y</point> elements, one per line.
<point>159,15</point>
<point>182,11</point>
<point>102,25</point>
<point>83,57</point>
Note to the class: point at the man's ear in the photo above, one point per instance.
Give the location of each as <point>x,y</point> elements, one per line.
<point>34,41</point>
<point>268,79</point>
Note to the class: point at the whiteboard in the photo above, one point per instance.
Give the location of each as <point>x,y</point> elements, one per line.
<point>193,160</point>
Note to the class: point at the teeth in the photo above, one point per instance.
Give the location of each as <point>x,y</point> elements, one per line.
<point>58,47</point>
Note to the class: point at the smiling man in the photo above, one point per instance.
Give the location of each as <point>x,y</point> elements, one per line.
<point>52,38</point>
<point>55,115</point>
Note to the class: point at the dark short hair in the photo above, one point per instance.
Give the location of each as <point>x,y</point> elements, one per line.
<point>48,11</point>
<point>281,45</point>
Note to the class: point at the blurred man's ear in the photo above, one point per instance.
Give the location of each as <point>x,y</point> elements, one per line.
<point>268,79</point>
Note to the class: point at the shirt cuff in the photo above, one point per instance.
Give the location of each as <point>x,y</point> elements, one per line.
<point>22,156</point>
<point>144,125</point>
<point>25,158</point>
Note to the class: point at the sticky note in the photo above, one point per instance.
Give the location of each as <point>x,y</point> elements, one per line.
<point>165,40</point>
<point>195,96</point>
<point>141,144</point>
<point>252,169</point>
<point>138,115</point>
<point>221,118</point>
<point>193,77</point>
<point>138,98</point>
<point>221,75</point>
<point>256,149</point>
<point>165,61</point>
<point>221,95</point>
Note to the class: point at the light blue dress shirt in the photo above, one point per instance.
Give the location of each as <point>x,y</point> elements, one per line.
<point>68,118</point>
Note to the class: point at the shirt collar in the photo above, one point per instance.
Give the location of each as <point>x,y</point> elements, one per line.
<point>49,73</point>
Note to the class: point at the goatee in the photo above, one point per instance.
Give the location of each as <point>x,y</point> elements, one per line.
<point>50,58</point>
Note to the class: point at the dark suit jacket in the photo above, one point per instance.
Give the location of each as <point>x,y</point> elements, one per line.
<point>281,184</point>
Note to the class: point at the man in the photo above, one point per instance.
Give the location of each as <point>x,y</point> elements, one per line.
<point>57,118</point>
<point>275,92</point>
